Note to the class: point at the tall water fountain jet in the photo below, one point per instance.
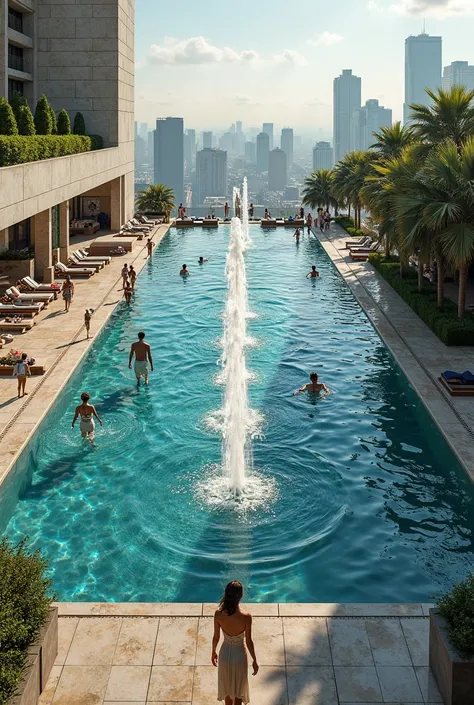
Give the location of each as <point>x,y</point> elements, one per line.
<point>233,358</point>
<point>245,215</point>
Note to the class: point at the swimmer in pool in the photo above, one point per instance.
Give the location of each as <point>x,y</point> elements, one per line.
<point>201,260</point>
<point>314,386</point>
<point>297,236</point>
<point>184,271</point>
<point>313,274</point>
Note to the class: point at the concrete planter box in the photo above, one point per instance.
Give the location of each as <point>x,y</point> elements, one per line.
<point>41,657</point>
<point>454,675</point>
<point>16,269</point>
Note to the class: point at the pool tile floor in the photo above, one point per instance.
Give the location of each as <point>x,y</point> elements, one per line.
<point>146,660</point>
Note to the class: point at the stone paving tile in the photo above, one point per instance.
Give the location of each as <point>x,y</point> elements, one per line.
<point>82,685</point>
<point>387,642</point>
<point>204,641</point>
<point>269,686</point>
<point>257,609</point>
<point>171,683</point>
<point>350,643</point>
<point>66,631</point>
<point>205,685</point>
<point>417,632</point>
<point>46,697</point>
<point>136,642</point>
<point>94,642</point>
<point>399,684</point>
<point>358,684</point>
<point>267,632</point>
<point>176,642</point>
<point>306,642</point>
<point>311,686</point>
<point>128,683</point>
<point>427,684</point>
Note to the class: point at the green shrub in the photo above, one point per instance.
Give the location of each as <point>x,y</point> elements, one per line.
<point>79,127</point>
<point>25,601</point>
<point>457,607</point>
<point>19,149</point>
<point>17,254</point>
<point>97,141</point>
<point>17,101</point>
<point>43,122</point>
<point>54,122</point>
<point>8,124</point>
<point>350,231</point>
<point>445,324</point>
<point>64,123</point>
<point>26,123</point>
<point>345,221</point>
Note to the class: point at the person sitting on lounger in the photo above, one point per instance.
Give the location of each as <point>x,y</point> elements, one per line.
<point>313,274</point>
<point>314,386</point>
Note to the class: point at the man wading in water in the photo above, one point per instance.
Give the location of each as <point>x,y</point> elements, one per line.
<point>142,352</point>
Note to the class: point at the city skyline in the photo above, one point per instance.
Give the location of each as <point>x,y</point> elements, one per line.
<point>183,75</point>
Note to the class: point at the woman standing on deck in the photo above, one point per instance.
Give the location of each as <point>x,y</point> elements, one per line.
<point>67,290</point>
<point>236,625</point>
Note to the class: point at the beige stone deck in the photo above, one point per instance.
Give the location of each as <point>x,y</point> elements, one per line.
<point>418,351</point>
<point>308,655</point>
<point>59,341</point>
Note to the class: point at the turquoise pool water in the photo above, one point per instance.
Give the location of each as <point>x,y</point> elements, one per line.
<point>370,505</point>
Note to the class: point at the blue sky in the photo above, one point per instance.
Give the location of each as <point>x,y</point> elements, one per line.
<point>274,60</point>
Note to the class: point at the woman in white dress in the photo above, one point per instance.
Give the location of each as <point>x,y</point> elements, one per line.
<point>236,626</point>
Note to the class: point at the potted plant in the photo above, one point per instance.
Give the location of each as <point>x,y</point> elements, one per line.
<point>28,624</point>
<point>452,644</point>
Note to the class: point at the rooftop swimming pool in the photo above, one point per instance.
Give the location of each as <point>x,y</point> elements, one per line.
<point>364,502</point>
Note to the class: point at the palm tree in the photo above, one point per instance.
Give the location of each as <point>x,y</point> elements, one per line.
<point>451,116</point>
<point>391,141</point>
<point>156,199</point>
<point>349,179</point>
<point>318,190</point>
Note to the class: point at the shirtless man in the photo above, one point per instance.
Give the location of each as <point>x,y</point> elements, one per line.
<point>313,274</point>
<point>149,246</point>
<point>184,272</point>
<point>142,352</point>
<point>314,386</point>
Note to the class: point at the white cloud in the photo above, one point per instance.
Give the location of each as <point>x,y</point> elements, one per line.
<point>325,39</point>
<point>427,8</point>
<point>196,50</point>
<point>291,57</point>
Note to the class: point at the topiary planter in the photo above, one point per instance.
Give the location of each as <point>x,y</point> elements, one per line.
<point>453,674</point>
<point>40,660</point>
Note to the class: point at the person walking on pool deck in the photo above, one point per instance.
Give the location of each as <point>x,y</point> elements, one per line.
<point>236,625</point>
<point>142,353</point>
<point>87,320</point>
<point>21,371</point>
<point>133,275</point>
<point>149,246</point>
<point>226,210</point>
<point>124,275</point>
<point>67,290</point>
<point>309,222</point>
<point>127,293</point>
<point>86,411</point>
<point>314,386</point>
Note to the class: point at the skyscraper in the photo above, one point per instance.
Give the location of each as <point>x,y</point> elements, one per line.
<point>251,152</point>
<point>277,170</point>
<point>207,140</point>
<point>192,145</point>
<point>268,129</point>
<point>169,155</point>
<point>263,150</point>
<point>286,143</point>
<point>323,156</point>
<point>143,130</point>
<point>211,174</point>
<point>366,121</point>
<point>238,127</point>
<point>423,64</point>
<point>459,73</point>
<point>347,97</point>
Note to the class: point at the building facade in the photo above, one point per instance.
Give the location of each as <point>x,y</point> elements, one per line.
<point>251,152</point>
<point>459,73</point>
<point>366,121</point>
<point>268,129</point>
<point>263,150</point>
<point>323,156</point>
<point>207,140</point>
<point>287,144</point>
<point>82,57</point>
<point>423,65</point>
<point>347,98</point>
<point>169,155</point>
<point>211,174</point>
<point>277,170</point>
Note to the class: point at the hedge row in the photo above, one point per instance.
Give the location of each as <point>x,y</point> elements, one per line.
<point>445,324</point>
<point>345,221</point>
<point>19,149</point>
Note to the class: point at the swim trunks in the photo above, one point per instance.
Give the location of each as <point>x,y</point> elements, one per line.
<point>141,368</point>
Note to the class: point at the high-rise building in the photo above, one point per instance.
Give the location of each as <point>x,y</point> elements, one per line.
<point>268,129</point>
<point>238,127</point>
<point>286,143</point>
<point>423,65</point>
<point>143,130</point>
<point>323,156</point>
<point>277,170</point>
<point>459,73</point>
<point>192,145</point>
<point>151,147</point>
<point>58,190</point>
<point>169,155</point>
<point>207,140</point>
<point>211,174</point>
<point>263,150</point>
<point>251,152</point>
<point>347,97</point>
<point>366,121</point>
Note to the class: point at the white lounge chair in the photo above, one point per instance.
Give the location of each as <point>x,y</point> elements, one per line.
<point>20,296</point>
<point>33,285</point>
<point>137,224</point>
<point>374,246</point>
<point>73,271</point>
<point>364,241</point>
<point>74,262</point>
<point>29,309</point>
<point>84,256</point>
<point>21,326</point>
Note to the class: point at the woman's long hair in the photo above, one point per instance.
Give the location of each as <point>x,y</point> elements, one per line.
<point>231,598</point>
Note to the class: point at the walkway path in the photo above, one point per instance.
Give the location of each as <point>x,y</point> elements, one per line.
<point>418,351</point>
<point>59,341</point>
<point>304,660</point>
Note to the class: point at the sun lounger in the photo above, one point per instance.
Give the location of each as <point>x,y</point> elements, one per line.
<point>458,384</point>
<point>21,309</point>
<point>33,285</point>
<point>147,221</point>
<point>20,296</point>
<point>83,256</point>
<point>74,262</point>
<point>62,270</point>
<point>21,326</point>
<point>136,223</point>
<point>364,241</point>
